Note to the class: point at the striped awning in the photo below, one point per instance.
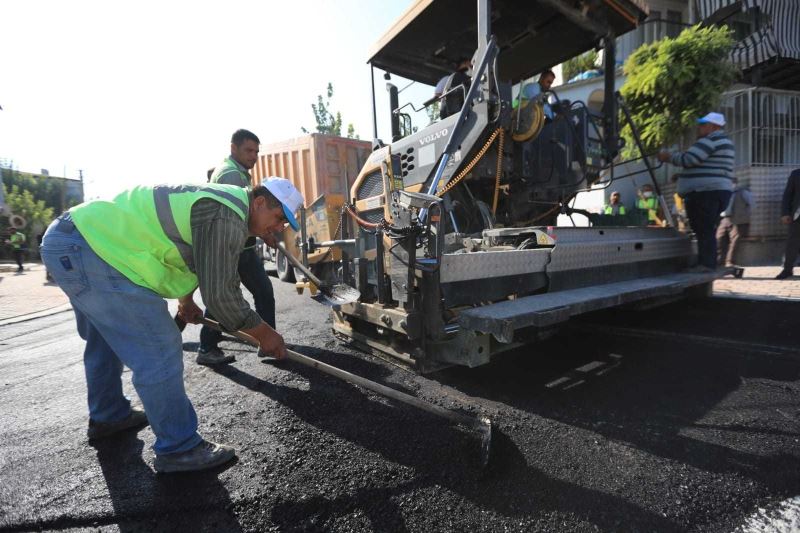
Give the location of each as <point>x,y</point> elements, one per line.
<point>756,48</point>
<point>778,39</point>
<point>706,8</point>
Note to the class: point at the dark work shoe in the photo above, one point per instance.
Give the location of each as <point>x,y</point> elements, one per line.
<point>204,455</point>
<point>213,356</point>
<point>784,274</point>
<point>101,430</point>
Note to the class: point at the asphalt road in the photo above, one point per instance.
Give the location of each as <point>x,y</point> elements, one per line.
<point>685,418</point>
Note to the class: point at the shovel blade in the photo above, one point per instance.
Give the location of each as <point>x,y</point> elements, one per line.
<point>341,294</point>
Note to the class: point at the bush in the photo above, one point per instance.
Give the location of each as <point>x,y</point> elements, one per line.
<point>672,82</point>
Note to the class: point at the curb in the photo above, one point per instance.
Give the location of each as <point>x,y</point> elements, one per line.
<point>37,314</point>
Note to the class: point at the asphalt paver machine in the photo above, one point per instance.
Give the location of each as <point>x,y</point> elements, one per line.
<point>450,234</point>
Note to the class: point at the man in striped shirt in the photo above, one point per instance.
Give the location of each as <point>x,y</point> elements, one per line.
<point>706,184</point>
<point>234,170</point>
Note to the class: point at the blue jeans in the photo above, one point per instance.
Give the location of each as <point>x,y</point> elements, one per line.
<point>123,323</point>
<point>703,209</point>
<point>255,279</point>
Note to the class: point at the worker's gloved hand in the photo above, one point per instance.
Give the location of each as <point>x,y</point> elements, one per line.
<point>189,311</point>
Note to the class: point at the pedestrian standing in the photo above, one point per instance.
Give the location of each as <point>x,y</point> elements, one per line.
<point>790,215</point>
<point>234,170</point>
<point>734,223</point>
<point>17,241</point>
<point>705,184</point>
<point>117,261</point>
<point>614,206</point>
<point>647,203</point>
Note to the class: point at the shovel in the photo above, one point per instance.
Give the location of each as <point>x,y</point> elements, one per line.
<point>338,294</point>
<point>480,425</point>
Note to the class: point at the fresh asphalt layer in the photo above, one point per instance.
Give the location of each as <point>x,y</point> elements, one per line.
<point>594,430</point>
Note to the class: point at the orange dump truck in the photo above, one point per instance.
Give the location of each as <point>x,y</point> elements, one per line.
<point>322,167</point>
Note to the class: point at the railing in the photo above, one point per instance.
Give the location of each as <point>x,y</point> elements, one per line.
<point>764,125</point>
<point>648,32</point>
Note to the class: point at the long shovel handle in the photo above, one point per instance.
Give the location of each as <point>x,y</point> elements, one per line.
<point>357,380</point>
<point>300,266</point>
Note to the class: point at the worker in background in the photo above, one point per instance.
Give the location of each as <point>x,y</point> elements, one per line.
<point>648,202</point>
<point>790,215</point>
<point>734,222</point>
<point>462,65</point>
<point>679,212</point>
<point>117,260</point>
<point>17,241</point>
<point>454,101</point>
<point>538,90</point>
<point>234,170</point>
<point>614,207</point>
<point>706,183</point>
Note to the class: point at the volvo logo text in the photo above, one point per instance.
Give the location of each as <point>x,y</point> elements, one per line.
<point>433,136</point>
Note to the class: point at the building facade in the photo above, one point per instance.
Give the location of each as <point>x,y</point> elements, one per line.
<point>763,110</point>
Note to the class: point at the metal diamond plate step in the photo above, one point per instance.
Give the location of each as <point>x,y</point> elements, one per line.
<point>543,310</point>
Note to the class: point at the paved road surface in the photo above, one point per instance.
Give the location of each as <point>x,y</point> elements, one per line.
<point>601,429</point>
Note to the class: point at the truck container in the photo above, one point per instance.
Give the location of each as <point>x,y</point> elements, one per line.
<point>323,168</point>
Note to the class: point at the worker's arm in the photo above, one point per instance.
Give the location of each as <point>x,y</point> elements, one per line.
<point>188,309</point>
<point>218,236</point>
<point>695,155</point>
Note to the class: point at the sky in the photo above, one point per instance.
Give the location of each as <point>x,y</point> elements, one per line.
<point>145,92</point>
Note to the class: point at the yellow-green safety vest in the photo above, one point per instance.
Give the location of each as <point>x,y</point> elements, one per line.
<point>17,240</point>
<point>227,165</point>
<point>609,210</point>
<point>145,233</point>
<point>651,206</point>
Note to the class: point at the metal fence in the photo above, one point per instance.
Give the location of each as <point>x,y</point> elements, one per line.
<point>764,124</point>
<point>647,32</point>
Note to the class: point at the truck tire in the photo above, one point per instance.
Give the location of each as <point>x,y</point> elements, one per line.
<point>285,271</point>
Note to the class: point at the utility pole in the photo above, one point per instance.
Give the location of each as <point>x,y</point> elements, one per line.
<point>83,192</point>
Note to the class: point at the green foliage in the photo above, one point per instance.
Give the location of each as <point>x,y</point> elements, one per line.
<point>328,122</point>
<point>36,213</point>
<point>576,65</point>
<point>52,191</point>
<point>671,82</point>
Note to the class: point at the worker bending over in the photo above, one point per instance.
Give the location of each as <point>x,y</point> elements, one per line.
<point>118,260</point>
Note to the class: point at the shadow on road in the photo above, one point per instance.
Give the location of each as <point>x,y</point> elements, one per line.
<point>680,401</point>
<point>144,501</point>
<point>410,451</point>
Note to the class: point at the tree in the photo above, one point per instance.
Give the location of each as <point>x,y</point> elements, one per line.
<point>576,65</point>
<point>36,213</point>
<point>671,82</point>
<point>52,191</point>
<point>328,122</point>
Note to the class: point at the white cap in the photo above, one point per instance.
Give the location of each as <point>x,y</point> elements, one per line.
<point>712,118</point>
<point>287,195</point>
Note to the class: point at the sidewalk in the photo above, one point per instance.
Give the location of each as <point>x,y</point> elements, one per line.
<point>28,295</point>
<point>758,283</point>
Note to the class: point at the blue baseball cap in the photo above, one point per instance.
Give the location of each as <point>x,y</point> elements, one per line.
<point>717,119</point>
<point>289,197</point>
